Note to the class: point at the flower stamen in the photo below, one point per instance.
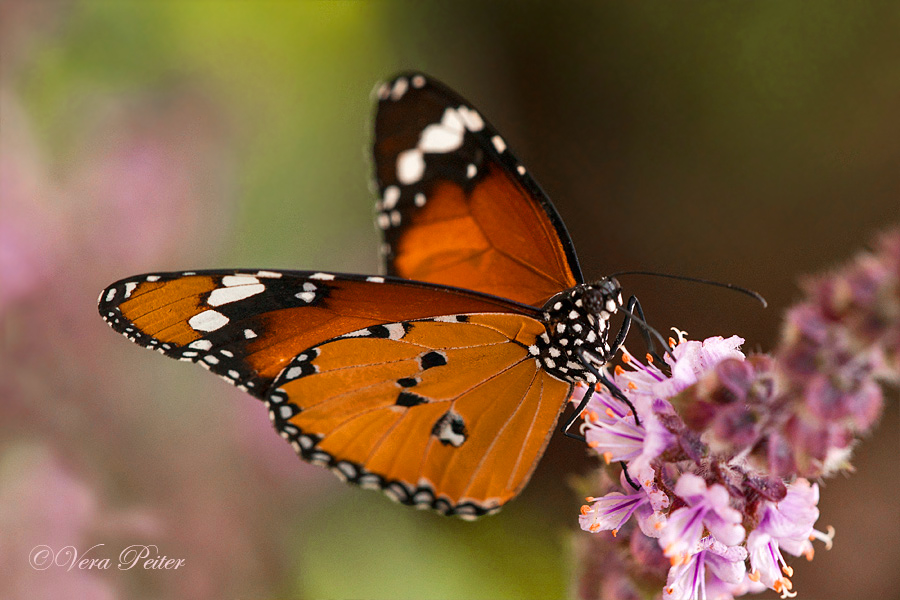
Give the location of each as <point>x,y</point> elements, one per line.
<point>680,334</point>
<point>827,538</point>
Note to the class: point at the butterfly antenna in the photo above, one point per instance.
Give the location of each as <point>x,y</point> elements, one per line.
<point>729,286</point>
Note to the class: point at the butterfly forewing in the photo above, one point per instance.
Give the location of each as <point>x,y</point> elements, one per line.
<point>247,325</point>
<point>456,206</point>
<point>449,413</point>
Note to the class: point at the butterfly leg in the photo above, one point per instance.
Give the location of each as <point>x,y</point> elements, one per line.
<point>613,390</point>
<point>634,309</point>
<point>578,410</point>
<point>616,393</point>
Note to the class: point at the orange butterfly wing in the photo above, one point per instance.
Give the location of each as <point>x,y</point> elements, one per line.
<point>248,325</point>
<point>457,208</point>
<point>450,413</point>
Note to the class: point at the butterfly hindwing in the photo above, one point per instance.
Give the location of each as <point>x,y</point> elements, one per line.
<point>247,325</point>
<point>449,413</point>
<point>456,206</point>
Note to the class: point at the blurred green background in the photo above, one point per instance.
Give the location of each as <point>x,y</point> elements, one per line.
<point>748,142</point>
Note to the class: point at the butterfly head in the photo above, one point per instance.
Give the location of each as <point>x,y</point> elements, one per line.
<point>603,295</point>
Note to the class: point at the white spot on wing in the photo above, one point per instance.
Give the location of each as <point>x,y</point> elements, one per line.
<point>499,144</point>
<point>446,319</point>
<point>110,294</point>
<point>249,334</point>
<point>410,166</point>
<point>375,279</point>
<point>419,199</point>
<point>418,81</point>
<point>445,431</point>
<point>471,171</point>
<point>227,295</point>
<point>322,276</point>
<point>358,333</point>
<point>471,118</point>
<point>391,195</point>
<point>129,287</point>
<point>208,320</point>
<point>233,280</point>
<point>270,274</point>
<point>442,137</point>
<point>152,278</point>
<point>400,87</point>
<point>395,331</point>
<point>201,345</point>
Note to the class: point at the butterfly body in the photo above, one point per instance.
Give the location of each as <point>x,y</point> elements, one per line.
<point>577,331</point>
<point>439,383</point>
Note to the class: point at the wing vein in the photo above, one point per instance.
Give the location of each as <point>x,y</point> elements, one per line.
<point>499,433</point>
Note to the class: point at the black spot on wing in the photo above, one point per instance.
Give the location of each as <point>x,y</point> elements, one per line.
<point>379,331</point>
<point>450,429</point>
<point>409,399</point>
<point>432,359</point>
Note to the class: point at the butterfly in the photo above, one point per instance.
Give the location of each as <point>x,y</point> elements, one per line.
<point>440,382</point>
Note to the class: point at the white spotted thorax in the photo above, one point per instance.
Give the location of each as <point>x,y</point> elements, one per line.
<point>577,329</point>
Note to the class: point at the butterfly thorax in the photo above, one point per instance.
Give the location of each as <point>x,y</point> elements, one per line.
<point>577,330</point>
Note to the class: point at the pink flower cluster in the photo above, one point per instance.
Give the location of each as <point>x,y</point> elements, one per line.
<point>717,457</point>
